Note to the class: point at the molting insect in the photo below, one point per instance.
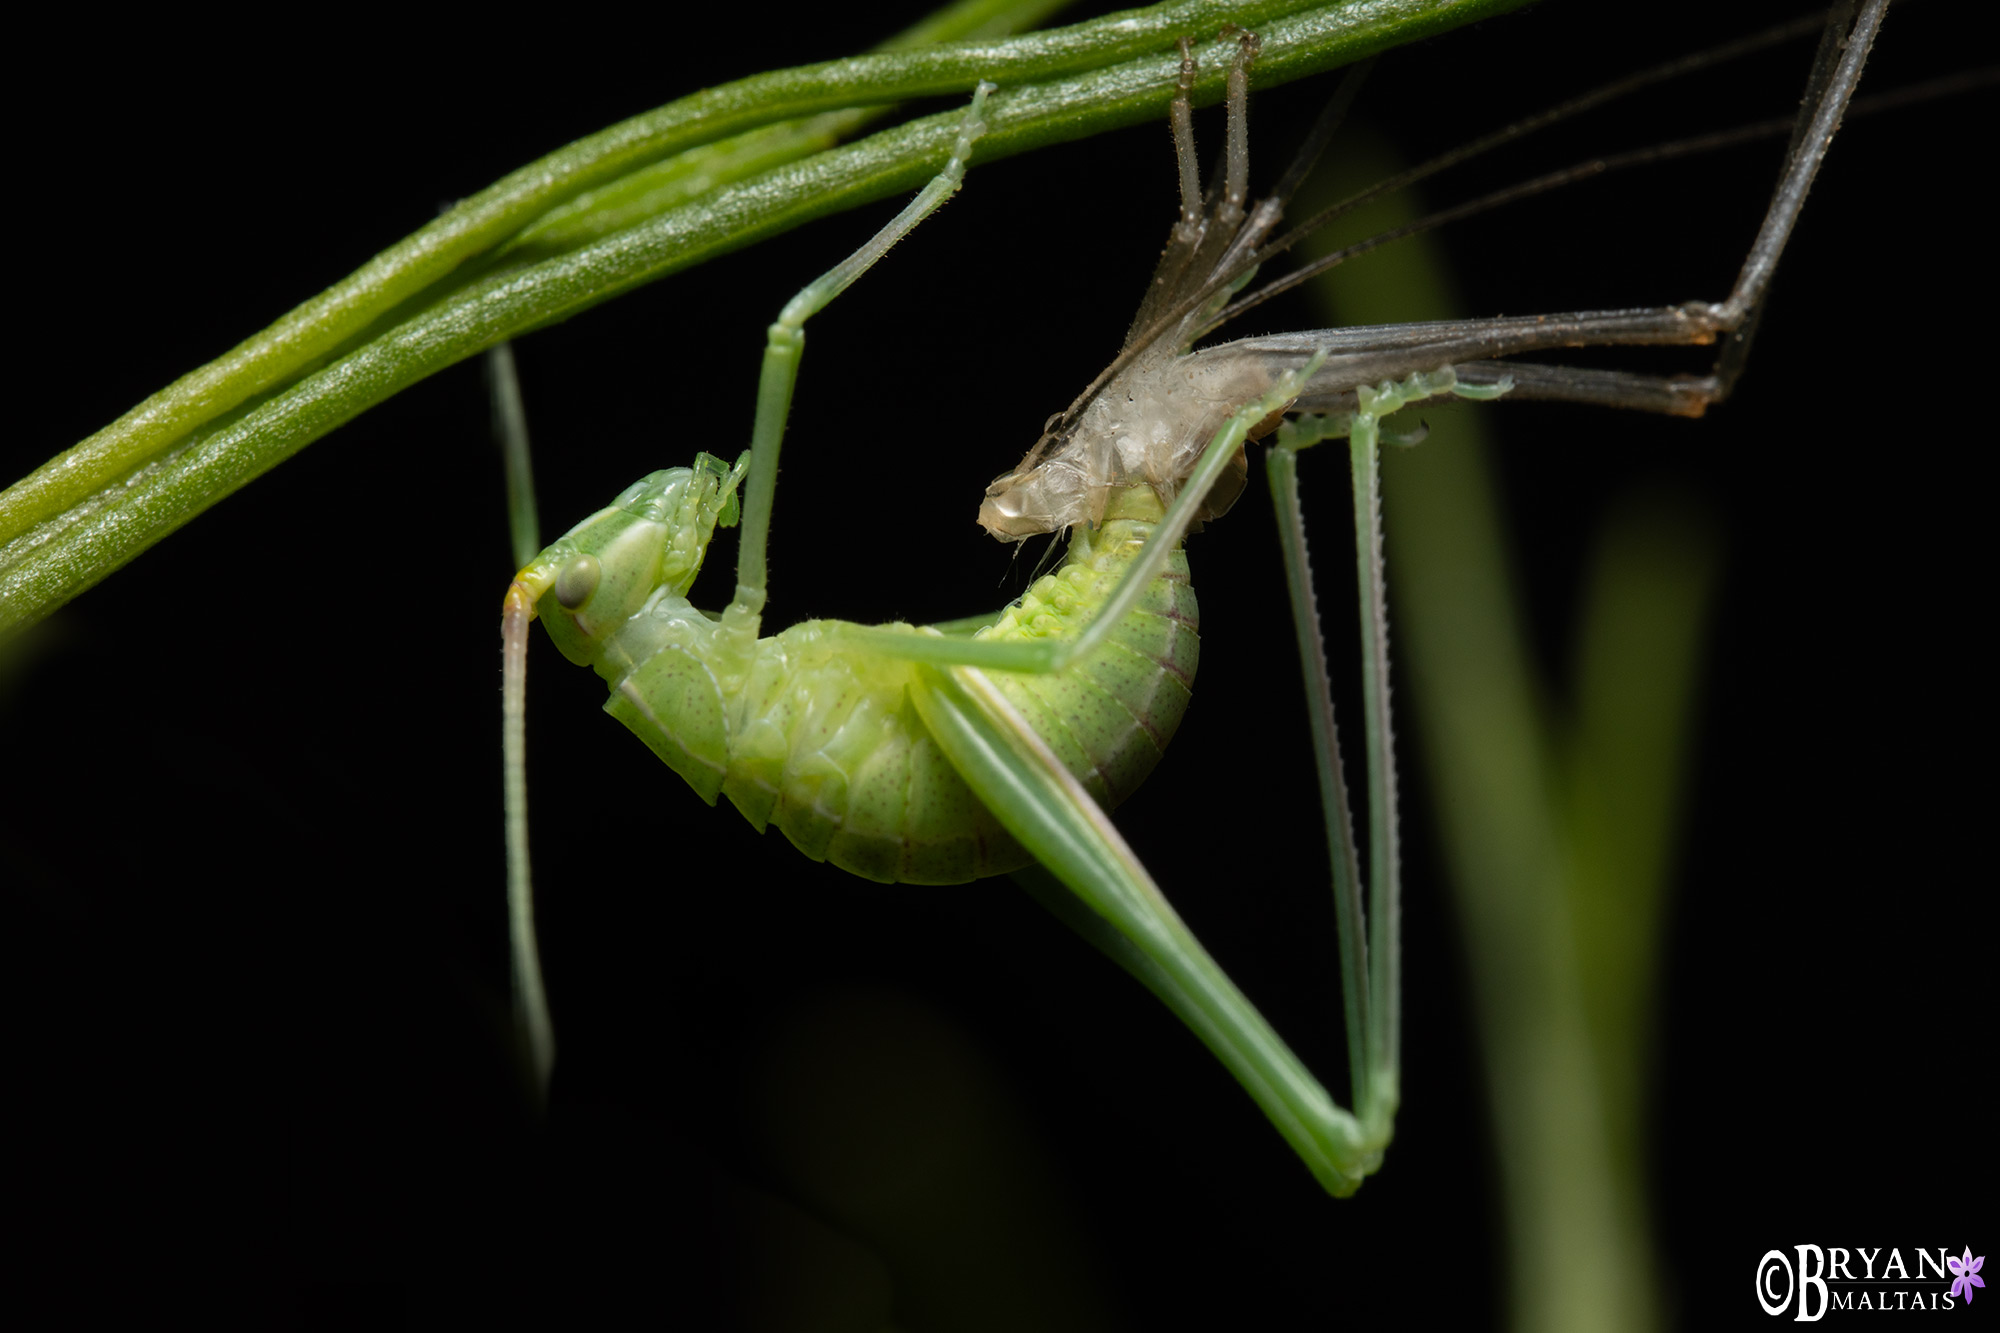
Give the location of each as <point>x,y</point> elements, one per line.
<point>259,966</point>
<point>934,755</point>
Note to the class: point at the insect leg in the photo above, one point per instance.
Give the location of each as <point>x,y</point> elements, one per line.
<point>1369,964</point>
<point>1843,49</point>
<point>1181,116</point>
<point>1236,151</point>
<point>785,345</point>
<point>1669,395</point>
<point>1201,233</point>
<point>1384,856</point>
<point>1364,355</point>
<point>1017,776</point>
<point>1281,465</point>
<point>1844,46</point>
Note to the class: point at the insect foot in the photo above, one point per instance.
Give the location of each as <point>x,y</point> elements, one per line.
<point>1383,400</point>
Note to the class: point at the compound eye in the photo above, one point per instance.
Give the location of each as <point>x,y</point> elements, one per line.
<point>577,581</point>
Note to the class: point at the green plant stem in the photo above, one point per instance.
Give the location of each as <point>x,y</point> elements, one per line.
<point>92,509</point>
<point>474,227</point>
<point>1638,661</point>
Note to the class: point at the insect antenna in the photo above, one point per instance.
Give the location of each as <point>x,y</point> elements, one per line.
<point>1561,111</point>
<point>532,1024</point>
<point>530,998</point>
<point>1588,169</point>
<point>1944,86</point>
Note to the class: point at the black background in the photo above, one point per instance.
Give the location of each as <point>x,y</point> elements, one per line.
<point>251,828</point>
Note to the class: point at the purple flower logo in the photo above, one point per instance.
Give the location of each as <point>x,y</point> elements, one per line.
<point>1967,1274</point>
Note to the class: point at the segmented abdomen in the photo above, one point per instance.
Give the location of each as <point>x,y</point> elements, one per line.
<point>821,739</point>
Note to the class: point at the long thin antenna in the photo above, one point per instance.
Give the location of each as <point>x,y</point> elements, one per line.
<point>1589,169</point>
<point>510,431</point>
<point>1949,85</point>
<point>531,1003</point>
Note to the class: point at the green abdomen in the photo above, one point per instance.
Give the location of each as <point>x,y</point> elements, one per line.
<point>822,740</point>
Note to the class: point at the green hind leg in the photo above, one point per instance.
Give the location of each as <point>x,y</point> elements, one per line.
<point>1370,946</point>
<point>1116,903</point>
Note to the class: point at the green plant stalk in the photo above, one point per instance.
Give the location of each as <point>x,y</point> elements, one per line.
<point>1624,774</point>
<point>92,509</point>
<point>642,193</point>
<point>673,139</point>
